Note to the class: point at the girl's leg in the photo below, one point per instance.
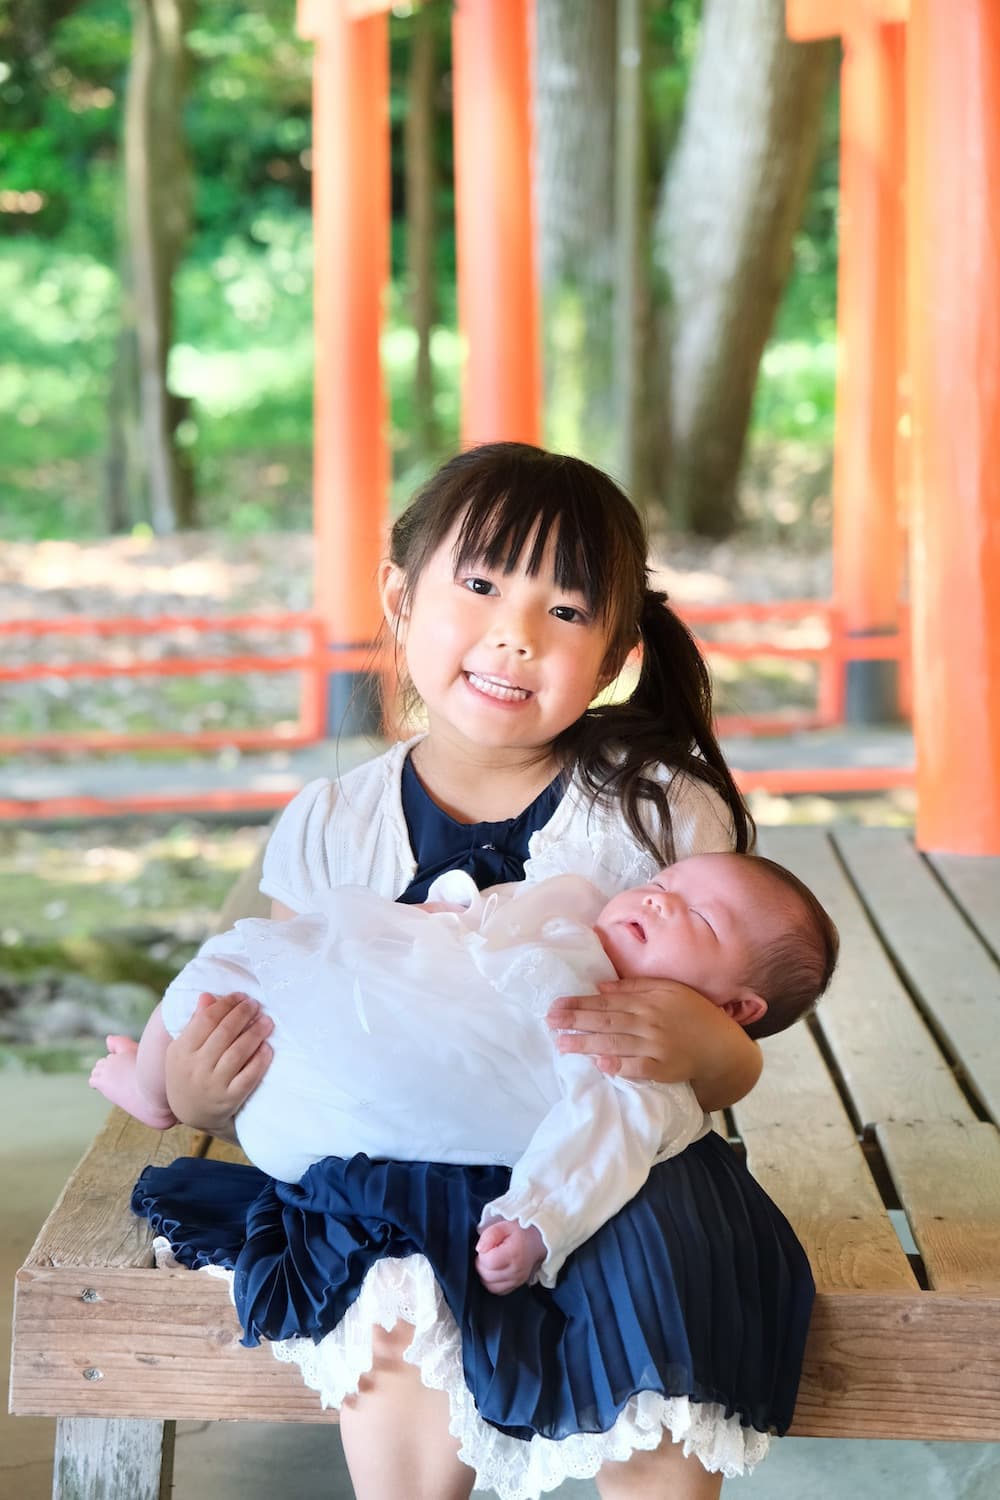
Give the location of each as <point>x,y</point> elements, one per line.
<point>395,1431</point>
<point>662,1474</point>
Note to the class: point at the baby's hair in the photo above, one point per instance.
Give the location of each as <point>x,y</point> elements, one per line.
<point>793,971</point>
<point>504,496</point>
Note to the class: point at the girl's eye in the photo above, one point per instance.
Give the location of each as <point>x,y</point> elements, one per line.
<point>477,585</point>
<point>707,923</point>
<point>570,613</point>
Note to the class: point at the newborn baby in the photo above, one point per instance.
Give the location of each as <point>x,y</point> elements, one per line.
<point>419,1033</point>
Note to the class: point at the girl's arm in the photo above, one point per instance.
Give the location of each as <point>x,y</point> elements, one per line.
<point>661,1031</point>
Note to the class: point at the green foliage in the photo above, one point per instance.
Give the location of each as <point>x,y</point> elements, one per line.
<point>244,337</point>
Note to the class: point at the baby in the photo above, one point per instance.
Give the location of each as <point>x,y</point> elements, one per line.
<point>418,1033</point>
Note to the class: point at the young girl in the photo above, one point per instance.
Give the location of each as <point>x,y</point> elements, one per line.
<point>516,587</point>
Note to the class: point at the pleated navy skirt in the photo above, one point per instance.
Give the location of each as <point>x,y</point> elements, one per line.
<point>697,1288</point>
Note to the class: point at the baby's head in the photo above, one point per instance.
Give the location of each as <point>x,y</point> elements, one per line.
<point>740,929</point>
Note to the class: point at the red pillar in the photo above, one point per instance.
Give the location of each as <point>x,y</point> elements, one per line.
<point>867,535</point>
<point>868,545</point>
<point>497,286</point>
<point>351,236</point>
<point>953,110</point>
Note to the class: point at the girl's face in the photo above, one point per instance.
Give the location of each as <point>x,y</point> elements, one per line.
<point>502,661</point>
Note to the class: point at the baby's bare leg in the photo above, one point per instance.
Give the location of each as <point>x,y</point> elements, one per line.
<point>132,1074</point>
<point>395,1431</point>
<point>662,1474</point>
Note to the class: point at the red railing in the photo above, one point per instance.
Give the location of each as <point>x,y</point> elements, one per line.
<point>316,662</point>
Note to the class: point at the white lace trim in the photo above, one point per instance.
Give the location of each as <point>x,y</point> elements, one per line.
<point>515,1469</point>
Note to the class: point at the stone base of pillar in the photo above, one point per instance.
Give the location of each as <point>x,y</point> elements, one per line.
<point>353,705</point>
<point>872,692</point>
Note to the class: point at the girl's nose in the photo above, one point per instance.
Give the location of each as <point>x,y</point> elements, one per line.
<point>513,634</point>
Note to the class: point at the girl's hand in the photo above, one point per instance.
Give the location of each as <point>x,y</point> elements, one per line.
<point>658,1030</point>
<point>218,1060</point>
<point>507,1254</point>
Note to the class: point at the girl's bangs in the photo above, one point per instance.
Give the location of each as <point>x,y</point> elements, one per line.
<point>498,529</point>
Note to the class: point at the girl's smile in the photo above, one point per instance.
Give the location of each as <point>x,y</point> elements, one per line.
<point>496,687</point>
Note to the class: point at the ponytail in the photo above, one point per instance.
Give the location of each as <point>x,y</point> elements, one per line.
<point>666,721</point>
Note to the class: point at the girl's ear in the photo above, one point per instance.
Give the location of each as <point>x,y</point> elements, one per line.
<point>391,588</point>
<point>746,1007</point>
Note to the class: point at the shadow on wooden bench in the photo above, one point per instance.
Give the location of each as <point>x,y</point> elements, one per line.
<point>882,1109</point>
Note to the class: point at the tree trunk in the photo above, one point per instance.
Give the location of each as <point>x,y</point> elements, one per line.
<point>420,189</point>
<point>631,238</point>
<point>730,205</point>
<point>574,99</point>
<point>158,190</point>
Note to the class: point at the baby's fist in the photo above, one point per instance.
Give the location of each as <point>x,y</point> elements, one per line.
<point>507,1255</point>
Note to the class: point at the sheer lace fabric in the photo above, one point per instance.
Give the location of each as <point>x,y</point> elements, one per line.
<point>516,1470</point>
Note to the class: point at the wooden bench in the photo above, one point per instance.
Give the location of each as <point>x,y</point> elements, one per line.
<point>882,1112</point>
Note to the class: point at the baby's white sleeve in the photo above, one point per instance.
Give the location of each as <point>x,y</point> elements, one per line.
<point>591,1155</point>
<point>220,967</point>
<point>296,868</point>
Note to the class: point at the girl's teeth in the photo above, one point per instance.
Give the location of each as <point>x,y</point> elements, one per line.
<point>501,690</point>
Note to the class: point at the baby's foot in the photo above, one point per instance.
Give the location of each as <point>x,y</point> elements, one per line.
<point>114,1076</point>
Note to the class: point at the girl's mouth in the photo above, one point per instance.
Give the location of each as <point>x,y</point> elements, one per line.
<point>495,687</point>
<point>637,930</point>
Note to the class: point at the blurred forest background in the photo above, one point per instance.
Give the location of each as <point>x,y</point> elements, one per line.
<point>722,167</point>
<point>155,182</point>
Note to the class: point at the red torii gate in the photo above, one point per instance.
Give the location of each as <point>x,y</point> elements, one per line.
<point>497,286</point>
<point>921,88</point>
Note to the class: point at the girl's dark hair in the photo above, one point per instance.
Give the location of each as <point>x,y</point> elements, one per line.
<point>505,496</point>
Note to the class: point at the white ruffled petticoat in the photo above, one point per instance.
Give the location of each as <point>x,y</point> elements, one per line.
<point>515,1469</point>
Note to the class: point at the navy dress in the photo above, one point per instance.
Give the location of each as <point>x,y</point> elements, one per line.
<point>697,1288</point>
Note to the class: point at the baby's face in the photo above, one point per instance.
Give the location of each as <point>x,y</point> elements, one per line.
<point>701,921</point>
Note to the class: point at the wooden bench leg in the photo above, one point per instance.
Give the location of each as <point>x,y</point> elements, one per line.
<point>109,1458</point>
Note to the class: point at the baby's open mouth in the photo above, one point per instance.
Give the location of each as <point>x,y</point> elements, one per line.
<point>495,687</point>
<point>637,930</point>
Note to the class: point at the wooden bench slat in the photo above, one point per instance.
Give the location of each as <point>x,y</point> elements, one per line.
<point>877,1365</point>
<point>802,1149</point>
<point>91,1224</point>
<point>955,976</point>
<point>888,1365</point>
<point>948,1179</point>
<point>887,1056</point>
<point>157,1343</point>
<point>974,881</point>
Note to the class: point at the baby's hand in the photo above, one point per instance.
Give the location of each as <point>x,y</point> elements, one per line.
<point>507,1255</point>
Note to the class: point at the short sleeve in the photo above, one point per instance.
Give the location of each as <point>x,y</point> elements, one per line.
<point>702,822</point>
<point>296,868</point>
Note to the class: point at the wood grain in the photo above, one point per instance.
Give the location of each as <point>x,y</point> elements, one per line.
<point>974,882</point>
<point>892,1365</point>
<point>948,1179</point>
<point>886,1054</point>
<point>946,964</point>
<point>921,1365</point>
<point>92,1223</point>
<point>802,1149</point>
<point>157,1343</point>
<point>112,1459</point>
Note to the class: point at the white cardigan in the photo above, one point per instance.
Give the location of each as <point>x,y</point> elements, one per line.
<point>352,831</point>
